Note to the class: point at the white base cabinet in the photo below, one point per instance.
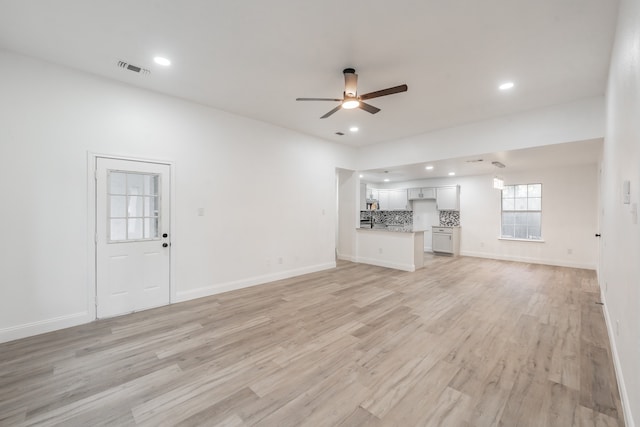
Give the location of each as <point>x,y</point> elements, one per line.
<point>445,240</point>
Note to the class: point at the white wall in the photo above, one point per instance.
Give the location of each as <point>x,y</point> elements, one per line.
<point>569,216</point>
<point>267,192</point>
<point>620,250</point>
<point>347,214</point>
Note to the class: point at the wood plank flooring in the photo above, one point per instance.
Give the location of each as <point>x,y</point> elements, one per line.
<point>462,342</point>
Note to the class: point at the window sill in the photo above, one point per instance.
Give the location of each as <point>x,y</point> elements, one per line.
<point>520,240</point>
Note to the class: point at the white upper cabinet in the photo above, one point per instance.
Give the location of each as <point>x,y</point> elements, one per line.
<point>398,199</point>
<point>384,202</point>
<point>422,193</point>
<point>393,200</point>
<point>372,193</point>
<point>448,198</point>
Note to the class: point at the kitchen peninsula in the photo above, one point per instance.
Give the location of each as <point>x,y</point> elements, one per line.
<point>393,247</point>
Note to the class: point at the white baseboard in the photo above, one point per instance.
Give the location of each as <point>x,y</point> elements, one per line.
<point>622,389</point>
<point>251,281</point>
<point>346,257</point>
<point>561,263</point>
<point>387,264</point>
<point>44,326</point>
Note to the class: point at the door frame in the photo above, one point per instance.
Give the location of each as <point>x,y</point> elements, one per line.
<point>92,231</point>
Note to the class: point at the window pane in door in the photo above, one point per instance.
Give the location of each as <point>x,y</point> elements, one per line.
<point>134,206</point>
<point>134,231</point>
<point>150,206</point>
<point>117,183</point>
<point>151,185</point>
<point>118,206</point>
<point>118,229</point>
<point>150,228</point>
<point>135,184</point>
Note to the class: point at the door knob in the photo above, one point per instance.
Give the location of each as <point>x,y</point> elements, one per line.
<point>597,234</point>
<point>164,245</point>
<point>165,235</point>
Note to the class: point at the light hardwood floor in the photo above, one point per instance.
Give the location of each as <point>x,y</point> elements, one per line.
<point>462,342</point>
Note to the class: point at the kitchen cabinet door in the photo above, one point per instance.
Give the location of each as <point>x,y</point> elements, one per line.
<point>447,198</point>
<point>372,193</point>
<point>421,193</point>
<point>384,200</point>
<point>399,200</point>
<point>428,193</point>
<point>415,193</point>
<point>442,243</point>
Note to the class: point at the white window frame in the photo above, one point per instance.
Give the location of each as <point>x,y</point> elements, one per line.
<point>503,211</point>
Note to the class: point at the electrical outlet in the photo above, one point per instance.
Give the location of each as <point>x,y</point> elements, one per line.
<point>606,286</point>
<point>570,251</point>
<point>379,250</point>
<point>482,244</point>
<point>280,260</point>
<point>267,262</point>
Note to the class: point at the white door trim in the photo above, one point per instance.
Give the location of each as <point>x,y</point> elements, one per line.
<point>92,227</point>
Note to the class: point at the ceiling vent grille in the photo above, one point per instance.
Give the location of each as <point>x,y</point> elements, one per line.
<point>134,68</point>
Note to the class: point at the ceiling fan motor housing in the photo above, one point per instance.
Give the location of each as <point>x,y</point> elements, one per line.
<point>350,82</point>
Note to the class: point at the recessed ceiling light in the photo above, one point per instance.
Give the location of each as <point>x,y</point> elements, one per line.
<point>354,129</point>
<point>361,176</point>
<point>386,180</point>
<point>161,61</point>
<point>429,167</point>
<point>506,86</point>
<point>452,173</point>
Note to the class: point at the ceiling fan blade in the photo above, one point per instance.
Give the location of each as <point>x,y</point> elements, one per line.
<point>331,112</point>
<point>318,99</point>
<point>367,107</point>
<point>385,92</point>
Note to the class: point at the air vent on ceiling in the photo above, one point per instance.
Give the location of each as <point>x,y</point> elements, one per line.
<point>339,133</point>
<point>498,164</point>
<point>475,160</point>
<point>134,68</point>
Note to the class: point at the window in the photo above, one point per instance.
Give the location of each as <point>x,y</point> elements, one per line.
<point>522,212</point>
<point>133,206</point>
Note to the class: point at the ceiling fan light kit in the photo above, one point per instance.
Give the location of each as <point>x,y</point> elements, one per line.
<point>350,98</point>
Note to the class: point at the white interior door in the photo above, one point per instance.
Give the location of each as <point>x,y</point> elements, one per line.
<point>132,237</point>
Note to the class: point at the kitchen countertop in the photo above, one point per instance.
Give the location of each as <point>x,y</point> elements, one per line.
<point>392,229</point>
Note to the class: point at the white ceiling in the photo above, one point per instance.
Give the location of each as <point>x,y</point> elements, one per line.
<point>254,57</point>
<point>550,156</point>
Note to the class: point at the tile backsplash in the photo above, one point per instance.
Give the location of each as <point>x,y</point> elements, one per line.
<point>400,218</point>
<point>450,218</point>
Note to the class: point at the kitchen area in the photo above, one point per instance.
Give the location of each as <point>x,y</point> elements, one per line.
<point>397,226</point>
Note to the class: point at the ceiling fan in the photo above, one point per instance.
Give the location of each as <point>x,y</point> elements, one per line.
<point>350,97</point>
